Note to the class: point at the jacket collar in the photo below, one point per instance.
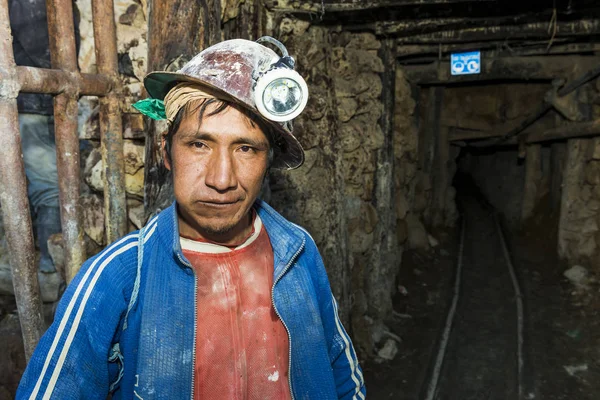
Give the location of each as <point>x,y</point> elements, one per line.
<point>287,240</point>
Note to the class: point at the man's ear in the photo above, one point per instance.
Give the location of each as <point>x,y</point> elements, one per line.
<point>165,155</point>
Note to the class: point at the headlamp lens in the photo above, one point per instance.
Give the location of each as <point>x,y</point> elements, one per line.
<point>282,96</point>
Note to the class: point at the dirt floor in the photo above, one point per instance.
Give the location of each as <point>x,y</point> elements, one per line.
<point>563,320</point>
<point>422,301</point>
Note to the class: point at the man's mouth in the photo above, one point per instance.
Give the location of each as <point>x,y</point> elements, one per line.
<point>218,203</point>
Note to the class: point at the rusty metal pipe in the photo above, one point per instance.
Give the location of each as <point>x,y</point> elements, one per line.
<point>67,163</point>
<point>111,125</point>
<point>62,34</point>
<point>13,198</point>
<point>64,56</point>
<point>54,81</point>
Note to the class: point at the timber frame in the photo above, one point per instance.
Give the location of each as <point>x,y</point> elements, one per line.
<point>66,83</point>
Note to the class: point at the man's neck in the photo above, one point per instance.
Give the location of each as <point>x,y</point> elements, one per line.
<point>233,237</point>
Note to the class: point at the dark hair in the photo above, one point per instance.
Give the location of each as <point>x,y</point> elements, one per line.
<point>221,105</point>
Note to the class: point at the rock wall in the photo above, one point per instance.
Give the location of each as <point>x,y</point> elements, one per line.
<point>579,233</point>
<point>356,71</point>
<point>312,195</point>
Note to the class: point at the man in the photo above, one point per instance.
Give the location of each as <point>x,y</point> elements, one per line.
<point>218,297</point>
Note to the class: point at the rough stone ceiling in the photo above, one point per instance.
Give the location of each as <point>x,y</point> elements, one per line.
<point>489,20</point>
<point>434,28</point>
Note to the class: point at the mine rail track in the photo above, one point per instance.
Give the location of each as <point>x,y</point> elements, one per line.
<point>480,352</point>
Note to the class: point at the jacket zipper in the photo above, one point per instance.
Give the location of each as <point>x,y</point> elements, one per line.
<point>184,262</point>
<point>289,264</point>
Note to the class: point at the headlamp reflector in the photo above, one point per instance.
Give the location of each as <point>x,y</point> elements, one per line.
<point>281,94</point>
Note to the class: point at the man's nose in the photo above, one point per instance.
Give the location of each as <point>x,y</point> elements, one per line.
<point>221,171</point>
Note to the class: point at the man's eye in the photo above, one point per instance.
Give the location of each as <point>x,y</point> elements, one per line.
<point>198,145</point>
<point>246,149</point>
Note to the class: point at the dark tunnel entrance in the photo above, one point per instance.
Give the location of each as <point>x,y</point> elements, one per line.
<point>503,306</point>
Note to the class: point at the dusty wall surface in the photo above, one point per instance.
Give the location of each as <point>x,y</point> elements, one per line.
<point>579,233</point>
<point>310,195</point>
<point>578,229</point>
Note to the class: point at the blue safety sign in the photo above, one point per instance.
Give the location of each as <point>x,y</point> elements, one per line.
<point>465,63</point>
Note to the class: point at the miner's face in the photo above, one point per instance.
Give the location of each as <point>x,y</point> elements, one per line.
<point>218,167</point>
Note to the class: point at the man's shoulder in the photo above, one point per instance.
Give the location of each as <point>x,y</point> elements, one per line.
<point>115,257</point>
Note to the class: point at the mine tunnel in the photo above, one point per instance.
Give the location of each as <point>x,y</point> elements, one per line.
<point>451,177</point>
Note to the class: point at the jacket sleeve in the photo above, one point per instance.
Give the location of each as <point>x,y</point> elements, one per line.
<point>71,359</point>
<point>347,373</point>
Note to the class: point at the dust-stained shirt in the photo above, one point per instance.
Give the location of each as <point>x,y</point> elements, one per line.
<point>242,347</point>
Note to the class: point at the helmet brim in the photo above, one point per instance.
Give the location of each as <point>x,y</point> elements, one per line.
<point>289,155</point>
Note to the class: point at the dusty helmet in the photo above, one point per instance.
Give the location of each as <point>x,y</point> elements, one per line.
<point>253,76</point>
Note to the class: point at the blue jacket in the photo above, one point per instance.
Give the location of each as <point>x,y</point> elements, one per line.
<point>127,321</point>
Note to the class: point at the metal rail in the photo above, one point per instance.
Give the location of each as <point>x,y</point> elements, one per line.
<point>434,378</point>
<point>520,308</point>
<point>67,84</point>
<point>439,359</point>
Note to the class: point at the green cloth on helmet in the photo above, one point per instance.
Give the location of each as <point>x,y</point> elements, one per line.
<point>153,108</point>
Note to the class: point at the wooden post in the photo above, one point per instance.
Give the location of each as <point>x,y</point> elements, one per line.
<point>558,153</point>
<point>177,30</point>
<point>533,176</point>
<point>384,264</point>
<point>428,146</point>
<point>572,172</point>
<point>428,136</point>
<point>441,180</point>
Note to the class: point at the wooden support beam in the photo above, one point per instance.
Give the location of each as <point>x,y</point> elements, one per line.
<point>573,169</point>
<point>317,6</point>
<point>566,131</point>
<point>515,68</point>
<point>421,26</point>
<point>428,135</point>
<point>535,30</point>
<point>558,153</point>
<point>384,252</point>
<point>533,178</point>
<point>441,180</point>
<point>177,31</point>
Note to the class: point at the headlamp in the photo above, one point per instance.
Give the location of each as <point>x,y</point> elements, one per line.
<point>280,93</point>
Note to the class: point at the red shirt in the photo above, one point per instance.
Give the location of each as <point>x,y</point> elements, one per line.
<point>242,348</point>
